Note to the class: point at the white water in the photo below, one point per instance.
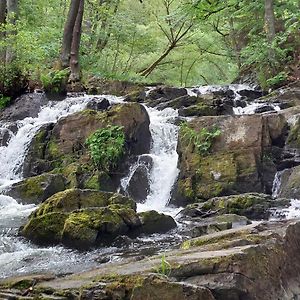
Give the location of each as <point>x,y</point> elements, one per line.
<point>276,184</point>
<point>206,89</point>
<point>164,156</point>
<point>252,107</point>
<point>13,155</point>
<point>16,255</point>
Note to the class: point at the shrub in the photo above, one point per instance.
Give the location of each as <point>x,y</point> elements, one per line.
<point>4,101</point>
<point>106,146</point>
<point>55,80</point>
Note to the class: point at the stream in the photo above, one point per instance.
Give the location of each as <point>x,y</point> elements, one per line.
<point>18,256</point>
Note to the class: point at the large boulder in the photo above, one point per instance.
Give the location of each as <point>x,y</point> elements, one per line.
<point>86,218</point>
<point>35,190</point>
<point>154,222</point>
<point>62,146</point>
<point>238,160</point>
<point>27,105</point>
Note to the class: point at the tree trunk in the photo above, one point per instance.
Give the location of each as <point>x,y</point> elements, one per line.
<point>12,14</point>
<point>68,33</point>
<point>270,19</point>
<point>2,33</point>
<point>74,61</point>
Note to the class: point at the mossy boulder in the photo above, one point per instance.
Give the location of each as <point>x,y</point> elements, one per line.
<point>35,190</point>
<point>74,199</point>
<point>154,222</point>
<point>252,205</point>
<point>45,229</point>
<point>234,161</point>
<point>86,218</point>
<point>85,228</point>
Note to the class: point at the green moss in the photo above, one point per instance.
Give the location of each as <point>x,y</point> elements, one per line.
<point>92,183</point>
<point>46,228</point>
<point>31,188</point>
<point>53,149</point>
<point>216,239</point>
<point>185,188</point>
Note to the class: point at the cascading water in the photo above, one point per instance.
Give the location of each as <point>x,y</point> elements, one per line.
<point>276,184</point>
<point>164,157</point>
<point>16,255</point>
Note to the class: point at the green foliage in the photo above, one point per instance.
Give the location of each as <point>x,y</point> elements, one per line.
<point>202,140</point>
<point>106,146</point>
<point>55,80</point>
<point>280,78</point>
<point>165,267</point>
<point>4,101</point>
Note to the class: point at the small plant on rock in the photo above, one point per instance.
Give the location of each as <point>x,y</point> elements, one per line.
<point>164,267</point>
<point>55,80</point>
<point>202,140</point>
<point>4,101</point>
<point>106,146</point>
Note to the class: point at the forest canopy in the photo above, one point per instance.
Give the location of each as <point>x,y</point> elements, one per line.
<point>177,42</point>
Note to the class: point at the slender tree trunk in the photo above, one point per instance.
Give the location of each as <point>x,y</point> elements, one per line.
<point>68,33</point>
<point>270,19</point>
<point>74,61</point>
<point>270,25</point>
<point>2,33</point>
<point>12,14</point>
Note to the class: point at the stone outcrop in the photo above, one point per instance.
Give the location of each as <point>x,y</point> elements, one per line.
<point>61,147</point>
<point>241,159</point>
<point>256,262</point>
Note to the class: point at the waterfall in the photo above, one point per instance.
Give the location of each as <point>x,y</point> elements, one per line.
<point>277,184</point>
<point>164,171</point>
<point>13,154</point>
<point>163,152</point>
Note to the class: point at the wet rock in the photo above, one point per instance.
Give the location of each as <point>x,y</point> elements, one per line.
<point>197,221</point>
<point>35,162</point>
<point>237,161</point>
<point>290,183</point>
<point>98,104</point>
<point>139,184</point>
<point>252,205</point>
<point>166,92</point>
<point>154,222</point>
<point>5,136</point>
<point>251,94</point>
<point>35,190</point>
<point>27,105</point>
<point>265,108</point>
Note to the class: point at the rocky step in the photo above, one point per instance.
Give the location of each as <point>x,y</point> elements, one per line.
<point>259,261</point>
